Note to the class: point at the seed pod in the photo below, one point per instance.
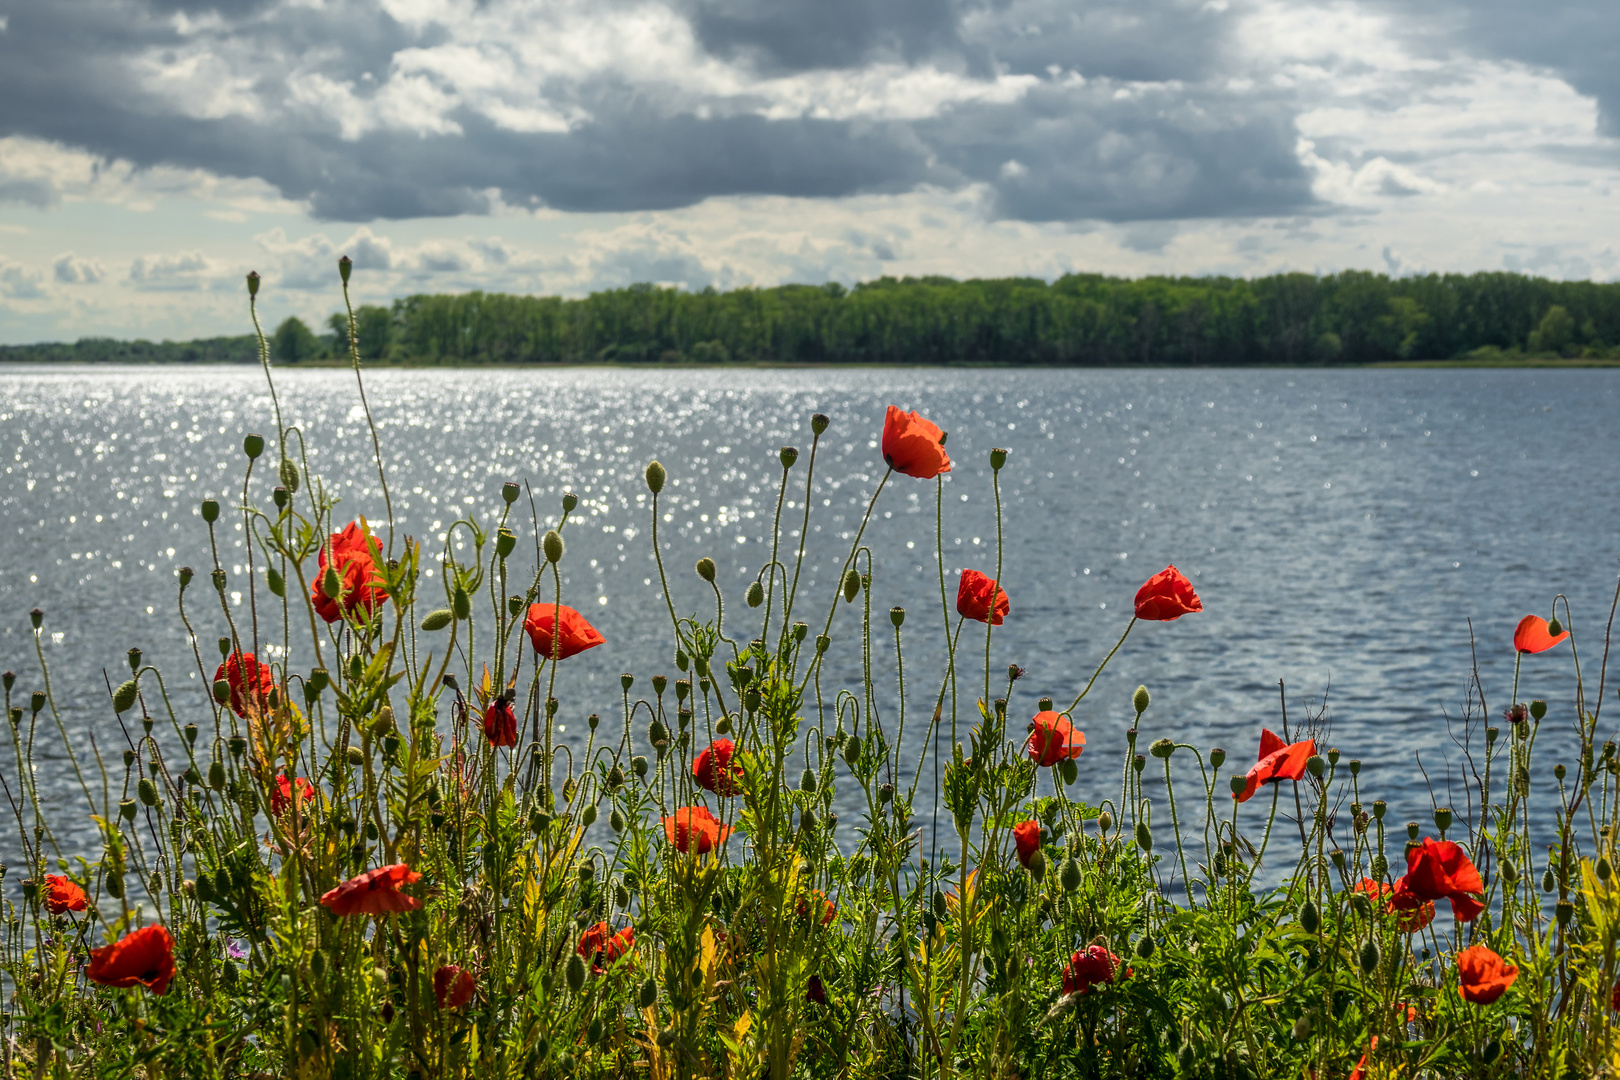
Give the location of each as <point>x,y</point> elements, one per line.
<point>1068,771</point>
<point>1217,757</point>
<point>126,809</point>
<point>1316,765</point>
<point>222,691</point>
<point>1564,910</point>
<point>655,477</point>
<point>575,973</point>
<point>1547,882</point>
<point>1144,836</point>
<point>755,595</point>
<point>1442,818</point>
<point>210,511</point>
<point>1105,822</point>
<point>649,994</point>
<point>706,569</point>
<point>1145,947</point>
<point>461,603</point>
<point>823,642</point>
<point>1140,700</point>
<point>216,775</point>
<point>1369,956</point>
<point>1069,874</point>
<point>124,696</point>
<point>1309,919</point>
<point>505,542</point>
<point>852,586</point>
<point>1162,749</point>
<point>552,545</point>
<point>998,458</point>
<point>569,501</point>
<point>1237,783</point>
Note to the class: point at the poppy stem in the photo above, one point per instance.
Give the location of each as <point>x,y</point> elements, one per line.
<point>1081,696</point>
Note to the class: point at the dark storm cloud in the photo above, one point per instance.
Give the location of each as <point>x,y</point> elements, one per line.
<point>1067,149</point>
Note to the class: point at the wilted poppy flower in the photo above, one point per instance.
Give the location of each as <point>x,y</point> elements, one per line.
<point>577,635</point>
<point>1439,869</point>
<point>500,723</point>
<point>973,598</point>
<point>375,892</point>
<point>1533,635</point>
<point>603,948</point>
<point>817,901</point>
<point>914,446</point>
<point>693,828</point>
<point>453,986</point>
<point>814,991</point>
<point>1053,739</point>
<point>1089,967</point>
<point>251,682</point>
<point>1278,761</point>
<point>281,796</point>
<point>62,895</point>
<point>356,563</point>
<point>1166,596</point>
<point>1412,913</point>
<point>714,771</point>
<point>1027,835</point>
<point>143,958</point>
<point>1483,976</point>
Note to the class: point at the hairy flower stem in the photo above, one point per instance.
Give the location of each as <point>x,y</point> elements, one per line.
<point>376,444</point>
<point>1175,827</point>
<point>1092,681</point>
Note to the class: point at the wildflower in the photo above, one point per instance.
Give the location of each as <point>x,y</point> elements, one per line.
<point>1053,738</point>
<point>453,986</point>
<point>814,991</point>
<point>375,892</point>
<point>143,958</point>
<point>1027,835</point>
<point>1089,967</point>
<point>1278,761</point>
<point>281,796</point>
<point>500,723</point>
<point>714,771</point>
<point>577,635</point>
<point>251,683</point>
<point>235,950</point>
<point>1166,596</point>
<point>914,446</point>
<point>62,895</point>
<point>355,553</point>
<point>1439,869</point>
<point>1483,976</point>
<point>1533,635</point>
<point>1614,997</point>
<point>1516,714</point>
<point>693,828</point>
<point>1412,913</point>
<point>973,598</point>
<point>603,949</point>
<point>807,903</point>
<point>1360,1071</point>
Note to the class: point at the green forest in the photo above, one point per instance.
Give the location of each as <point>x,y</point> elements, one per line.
<point>1353,317</point>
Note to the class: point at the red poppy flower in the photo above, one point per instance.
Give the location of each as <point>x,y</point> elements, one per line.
<point>1278,761</point>
<point>577,634</point>
<point>1412,913</point>
<point>973,598</point>
<point>356,553</point>
<point>62,895</point>
<point>817,900</point>
<point>453,986</point>
<point>375,892</point>
<point>1027,835</point>
<point>814,991</point>
<point>1483,976</point>
<point>143,958</point>
<point>1360,1071</point>
<point>603,949</point>
<point>500,723</point>
<point>1053,739</point>
<point>281,796</point>
<point>693,828</point>
<point>714,771</point>
<point>914,446</point>
<point>1089,967</point>
<point>1437,869</point>
<point>1166,596</point>
<point>1533,636</point>
<point>251,682</point>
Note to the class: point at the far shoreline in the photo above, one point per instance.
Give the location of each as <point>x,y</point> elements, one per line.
<point>793,365</point>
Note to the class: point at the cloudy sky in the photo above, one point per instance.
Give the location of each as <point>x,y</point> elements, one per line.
<point>154,151</point>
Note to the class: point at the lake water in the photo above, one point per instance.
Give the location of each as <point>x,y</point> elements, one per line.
<point>1341,526</point>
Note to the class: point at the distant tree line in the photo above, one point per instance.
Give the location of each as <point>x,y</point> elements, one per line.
<point>1079,319</point>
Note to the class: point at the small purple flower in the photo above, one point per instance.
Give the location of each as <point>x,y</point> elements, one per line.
<point>235,950</point>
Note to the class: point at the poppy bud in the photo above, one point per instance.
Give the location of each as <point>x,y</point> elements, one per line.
<point>940,908</point>
<point>569,501</point>
<point>331,584</point>
<point>1554,627</point>
<point>147,792</point>
<point>210,511</point>
<point>682,661</point>
<point>788,455</point>
<point>705,569</point>
<point>823,643</point>
<point>124,696</point>
<point>852,586</point>
<point>593,721</point>
<point>437,620</point>
<point>1162,748</point>
<point>755,595</point>
<point>253,283</point>
<point>36,617</point>
<point>1145,947</point>
<point>1316,765</point>
<point>1442,819</point>
<point>852,752</point>
<point>552,545</point>
<point>1547,882</point>
<point>1309,919</point>
<point>1510,873</point>
<point>897,615</point>
<point>638,765</point>
<point>587,817</point>
<point>1361,905</point>
<point>1380,866</point>
<point>575,973</point>
<point>616,822</point>
<point>288,474</point>
<point>1068,771</point>
<point>1144,836</point>
<point>238,746</point>
<point>1604,868</point>
<point>700,664</point>
<point>885,793</point>
<point>649,994</point>
<point>807,781</point>
<point>1105,823</point>
<point>1493,1050</point>
<point>460,601</point>
<point>1186,1059</point>
<point>655,477</point>
<point>1037,865</point>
